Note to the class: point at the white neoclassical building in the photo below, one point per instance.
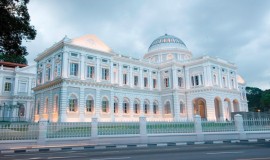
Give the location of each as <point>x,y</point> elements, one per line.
<point>82,77</point>
<point>16,94</point>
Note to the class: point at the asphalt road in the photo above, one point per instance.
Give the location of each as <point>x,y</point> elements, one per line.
<point>248,151</point>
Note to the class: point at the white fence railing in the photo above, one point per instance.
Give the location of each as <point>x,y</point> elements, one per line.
<point>68,129</point>
<point>43,130</point>
<point>170,127</point>
<point>19,131</point>
<point>262,124</point>
<point>218,126</point>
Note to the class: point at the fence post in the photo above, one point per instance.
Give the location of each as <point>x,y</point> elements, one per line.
<point>198,128</point>
<point>240,126</point>
<point>42,126</point>
<point>94,128</point>
<point>143,130</point>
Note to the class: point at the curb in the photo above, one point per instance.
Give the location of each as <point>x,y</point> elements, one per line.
<point>112,146</point>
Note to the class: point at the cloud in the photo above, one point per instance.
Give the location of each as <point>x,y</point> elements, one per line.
<point>237,31</point>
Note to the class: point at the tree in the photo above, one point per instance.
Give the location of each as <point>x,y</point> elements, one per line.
<point>254,98</point>
<point>14,27</point>
<point>265,100</point>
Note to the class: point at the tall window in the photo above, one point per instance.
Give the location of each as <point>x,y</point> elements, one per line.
<point>90,71</point>
<point>57,70</point>
<point>136,80</point>
<point>46,106</point>
<point>166,82</point>
<point>124,78</point>
<point>115,107</point>
<point>56,104</point>
<point>154,83</point>
<point>105,74</point>
<point>74,68</point>
<point>48,74</point>
<point>7,87</point>
<point>224,81</point>
<point>89,105</point>
<point>73,103</point>
<point>182,108</point>
<point>125,107</point>
<point>196,80</point>
<point>167,108</point>
<point>155,108</point>
<point>136,107</point>
<point>39,77</point>
<point>145,80</point>
<point>146,107</point>
<point>22,86</point>
<point>215,79</point>
<point>232,81</point>
<point>180,82</point>
<point>38,107</point>
<point>21,111</point>
<point>105,105</point>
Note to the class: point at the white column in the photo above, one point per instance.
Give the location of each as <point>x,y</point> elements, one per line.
<point>65,65</point>
<point>111,73</point>
<point>120,107</point>
<point>63,104</point>
<point>158,80</point>
<point>150,81</point>
<point>29,86</point>
<point>188,79</point>
<point>111,106</point>
<point>131,108</point>
<point>209,74</point>
<point>220,77</point>
<point>142,108</point>
<point>131,76</point>
<point>205,76</point>
<point>98,71</point>
<point>82,68</point>
<point>120,75</point>
<point>174,77</point>
<point>176,107</point>
<point>16,85</point>
<point>141,78</point>
<point>82,105</point>
<point>97,102</point>
<point>1,84</point>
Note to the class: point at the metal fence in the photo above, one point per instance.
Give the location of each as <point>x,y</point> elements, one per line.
<point>262,124</point>
<point>218,126</point>
<point>69,129</point>
<point>118,128</point>
<point>170,127</point>
<point>19,131</point>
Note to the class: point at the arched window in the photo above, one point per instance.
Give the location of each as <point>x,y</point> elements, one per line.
<point>115,106</point>
<point>146,107</point>
<point>136,107</point>
<point>46,106</point>
<point>73,103</point>
<point>37,107</point>
<point>182,108</point>
<point>167,108</point>
<point>56,104</point>
<point>125,106</point>
<point>21,110</point>
<point>89,104</point>
<point>155,108</point>
<point>105,105</point>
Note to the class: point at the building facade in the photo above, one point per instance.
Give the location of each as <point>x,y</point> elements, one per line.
<point>16,94</point>
<point>81,78</point>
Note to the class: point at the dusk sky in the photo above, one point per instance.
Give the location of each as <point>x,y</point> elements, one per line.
<point>237,31</point>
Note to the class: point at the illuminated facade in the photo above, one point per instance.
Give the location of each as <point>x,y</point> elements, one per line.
<point>82,77</point>
<point>16,95</point>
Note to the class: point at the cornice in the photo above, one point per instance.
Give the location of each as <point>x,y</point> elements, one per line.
<point>149,54</point>
<point>48,84</point>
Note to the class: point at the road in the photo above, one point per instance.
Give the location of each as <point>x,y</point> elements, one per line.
<point>245,151</point>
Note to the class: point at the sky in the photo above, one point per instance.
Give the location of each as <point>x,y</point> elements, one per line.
<point>237,31</point>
